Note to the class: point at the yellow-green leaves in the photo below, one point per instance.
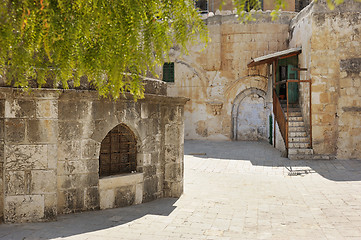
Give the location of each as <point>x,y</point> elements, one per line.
<point>112,42</point>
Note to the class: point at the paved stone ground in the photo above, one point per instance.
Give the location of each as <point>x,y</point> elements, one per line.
<point>233,190</point>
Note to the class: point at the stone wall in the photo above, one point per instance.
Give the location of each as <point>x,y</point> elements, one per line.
<point>213,78</point>
<point>50,143</point>
<point>331,45</point>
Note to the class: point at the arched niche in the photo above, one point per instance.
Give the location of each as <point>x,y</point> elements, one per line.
<point>118,152</point>
<point>249,115</point>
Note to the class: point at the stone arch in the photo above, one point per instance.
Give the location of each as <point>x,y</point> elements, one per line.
<point>103,127</point>
<point>254,108</point>
<point>243,83</point>
<point>118,152</point>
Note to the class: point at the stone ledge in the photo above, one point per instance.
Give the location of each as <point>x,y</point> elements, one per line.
<point>121,180</point>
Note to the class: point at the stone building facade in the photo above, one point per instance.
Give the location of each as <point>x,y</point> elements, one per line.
<point>228,99</point>
<point>231,101</point>
<point>331,51</point>
<point>50,144</point>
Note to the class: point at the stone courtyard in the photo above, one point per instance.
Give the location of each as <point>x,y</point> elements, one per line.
<point>232,190</point>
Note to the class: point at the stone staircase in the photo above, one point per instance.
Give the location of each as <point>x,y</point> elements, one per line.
<point>298,139</point>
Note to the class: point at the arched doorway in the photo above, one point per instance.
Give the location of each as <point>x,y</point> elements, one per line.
<point>250,115</point>
<point>118,152</point>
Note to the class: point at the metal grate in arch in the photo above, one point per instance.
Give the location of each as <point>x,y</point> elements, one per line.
<point>118,152</point>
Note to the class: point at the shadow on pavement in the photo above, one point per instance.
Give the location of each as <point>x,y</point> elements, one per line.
<point>79,223</point>
<point>261,153</point>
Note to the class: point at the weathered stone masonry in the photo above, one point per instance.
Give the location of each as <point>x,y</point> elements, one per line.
<point>49,152</point>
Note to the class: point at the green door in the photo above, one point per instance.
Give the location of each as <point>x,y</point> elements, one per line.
<point>292,86</point>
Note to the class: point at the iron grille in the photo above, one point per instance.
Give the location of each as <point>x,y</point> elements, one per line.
<point>118,152</point>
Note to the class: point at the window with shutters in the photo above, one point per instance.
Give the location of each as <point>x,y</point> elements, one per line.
<point>118,152</point>
<point>168,72</point>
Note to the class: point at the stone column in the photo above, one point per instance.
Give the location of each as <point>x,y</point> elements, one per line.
<point>173,147</point>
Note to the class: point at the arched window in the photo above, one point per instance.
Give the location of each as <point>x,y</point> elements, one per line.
<point>118,152</point>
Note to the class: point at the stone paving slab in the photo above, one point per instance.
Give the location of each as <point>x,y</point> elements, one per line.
<point>233,190</point>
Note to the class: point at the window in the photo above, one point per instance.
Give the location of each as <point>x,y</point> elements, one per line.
<point>168,72</point>
<point>118,152</point>
<point>202,6</point>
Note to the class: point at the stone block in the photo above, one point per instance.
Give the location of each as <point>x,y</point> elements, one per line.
<point>66,110</point>
<point>47,109</point>
<point>42,131</point>
<point>324,97</point>
<point>117,181</point>
<point>107,198</point>
<point>172,134</point>
<point>26,157</point>
<point>72,181</point>
<point>322,87</point>
<point>351,65</point>
<point>173,172</point>
<point>52,155</point>
<point>155,157</point>
<point>144,113</point>
<point>173,189</point>
<point>70,130</point>
<point>90,149</point>
<point>77,167</point>
<point>149,171</point>
<point>138,193</point>
<point>69,150</point>
<point>15,130</point>
<point>150,189</point>
<point>26,208</point>
<point>17,108</point>
<point>83,109</point>
<point>43,182</point>
<point>50,206</point>
<point>74,110</point>
<point>346,82</point>
<point>171,153</point>
<point>144,159</point>
<point>92,165</point>
<point>71,200</point>
<point>102,109</point>
<point>91,198</point>
<point>124,196</point>
<point>15,182</point>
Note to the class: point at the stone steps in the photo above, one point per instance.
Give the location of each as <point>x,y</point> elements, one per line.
<point>296,123</point>
<point>296,118</point>
<point>300,151</point>
<point>297,134</point>
<point>298,139</point>
<point>295,114</point>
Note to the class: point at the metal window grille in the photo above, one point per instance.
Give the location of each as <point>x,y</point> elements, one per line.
<point>168,72</point>
<point>118,152</point>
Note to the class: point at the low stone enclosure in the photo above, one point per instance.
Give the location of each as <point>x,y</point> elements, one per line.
<point>64,151</point>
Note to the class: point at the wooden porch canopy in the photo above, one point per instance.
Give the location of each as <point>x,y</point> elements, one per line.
<point>273,56</point>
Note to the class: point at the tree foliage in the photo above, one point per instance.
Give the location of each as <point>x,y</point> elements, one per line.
<point>112,42</point>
